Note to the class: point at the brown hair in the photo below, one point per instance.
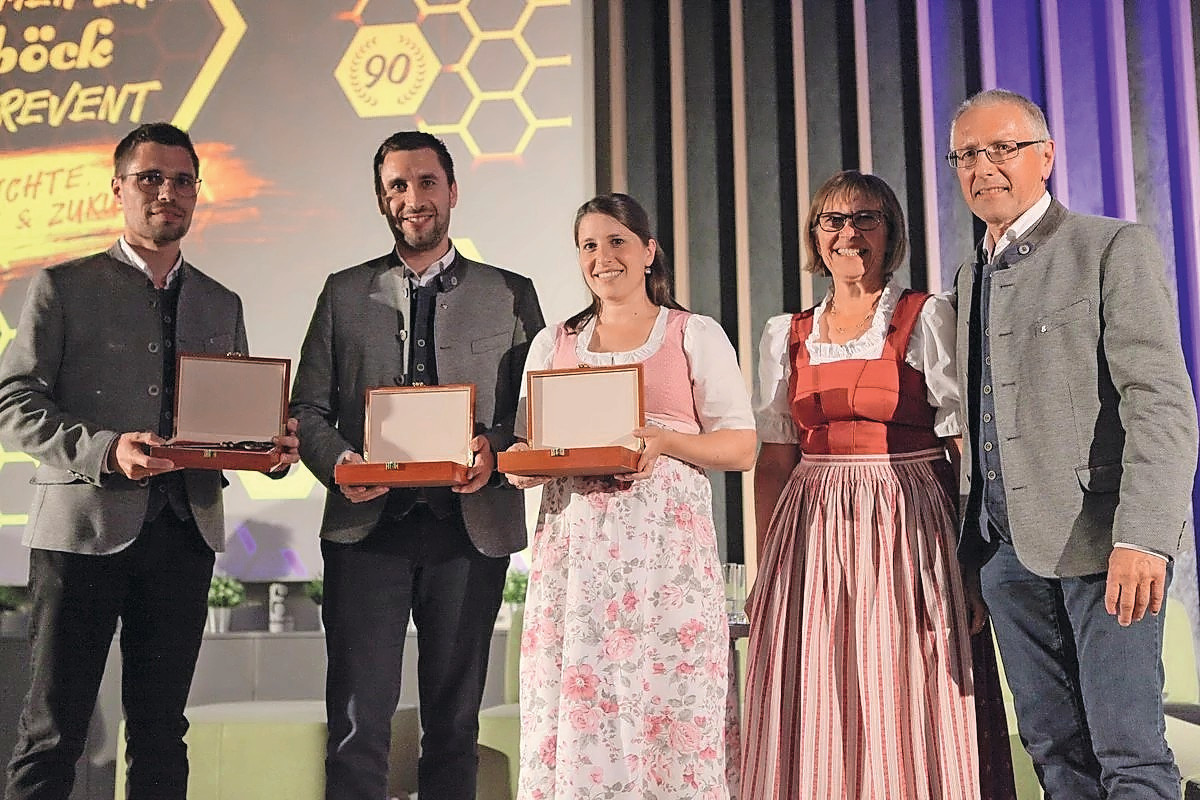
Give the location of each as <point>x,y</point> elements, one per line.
<point>627,211</point>
<point>871,188</point>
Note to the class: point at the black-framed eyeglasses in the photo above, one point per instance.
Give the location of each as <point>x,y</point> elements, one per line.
<point>833,222</point>
<point>150,181</point>
<point>996,152</point>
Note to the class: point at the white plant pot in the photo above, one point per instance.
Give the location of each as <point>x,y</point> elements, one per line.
<point>218,619</point>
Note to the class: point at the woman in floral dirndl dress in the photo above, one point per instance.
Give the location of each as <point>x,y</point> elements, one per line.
<point>625,647</point>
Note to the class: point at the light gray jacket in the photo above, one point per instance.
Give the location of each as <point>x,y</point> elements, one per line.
<point>85,367</point>
<point>1094,408</point>
<point>357,341</point>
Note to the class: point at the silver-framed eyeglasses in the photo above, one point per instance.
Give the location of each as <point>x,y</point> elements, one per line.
<point>996,152</point>
<point>150,181</point>
<point>833,222</point>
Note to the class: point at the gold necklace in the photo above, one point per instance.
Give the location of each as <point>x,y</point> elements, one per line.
<point>832,309</point>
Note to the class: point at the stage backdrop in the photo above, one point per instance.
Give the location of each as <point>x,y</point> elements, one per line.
<point>287,103</point>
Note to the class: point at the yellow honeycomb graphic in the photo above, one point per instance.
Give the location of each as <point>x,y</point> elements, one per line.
<point>486,87</point>
<point>387,70</point>
<point>233,27</point>
<point>296,485</point>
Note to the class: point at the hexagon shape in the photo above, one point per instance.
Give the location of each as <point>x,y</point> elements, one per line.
<point>498,127</point>
<point>448,35</point>
<point>543,33</point>
<point>545,98</point>
<point>497,65</point>
<point>447,102</point>
<point>387,70</point>
<point>498,15</point>
<point>296,485</point>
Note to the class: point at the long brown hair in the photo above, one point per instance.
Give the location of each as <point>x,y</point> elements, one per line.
<point>627,211</point>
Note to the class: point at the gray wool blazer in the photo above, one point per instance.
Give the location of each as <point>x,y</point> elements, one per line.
<point>85,367</point>
<point>1094,408</point>
<point>357,341</point>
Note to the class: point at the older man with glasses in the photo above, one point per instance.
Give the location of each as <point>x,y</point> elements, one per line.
<point>1078,463</point>
<point>114,533</point>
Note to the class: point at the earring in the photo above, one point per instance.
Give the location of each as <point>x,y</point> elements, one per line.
<point>647,270</point>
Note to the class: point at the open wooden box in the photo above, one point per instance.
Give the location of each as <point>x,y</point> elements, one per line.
<point>415,436</point>
<point>227,408</point>
<point>581,422</point>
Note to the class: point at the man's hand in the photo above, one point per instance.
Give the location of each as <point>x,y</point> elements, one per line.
<point>525,481</point>
<point>485,464</point>
<point>361,494</point>
<point>1136,581</point>
<point>977,610</point>
<point>287,447</point>
<point>128,456</point>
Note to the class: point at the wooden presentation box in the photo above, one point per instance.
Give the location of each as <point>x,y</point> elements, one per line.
<point>415,436</point>
<point>581,422</point>
<point>227,408</point>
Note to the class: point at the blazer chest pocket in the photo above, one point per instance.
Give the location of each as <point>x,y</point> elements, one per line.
<point>1102,479</point>
<point>494,342</point>
<point>1080,309</point>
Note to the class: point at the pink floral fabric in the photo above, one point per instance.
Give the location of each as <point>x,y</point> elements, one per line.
<point>625,647</point>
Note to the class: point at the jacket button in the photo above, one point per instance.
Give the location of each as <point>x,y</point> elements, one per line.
<point>152,347</point>
<point>1023,249</point>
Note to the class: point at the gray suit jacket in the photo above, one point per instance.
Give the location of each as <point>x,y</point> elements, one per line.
<point>85,366</point>
<point>1094,408</point>
<point>358,340</point>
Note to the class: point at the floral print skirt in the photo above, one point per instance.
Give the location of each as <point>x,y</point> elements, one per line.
<point>625,647</point>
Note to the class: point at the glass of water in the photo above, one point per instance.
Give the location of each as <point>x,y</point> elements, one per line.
<point>735,592</point>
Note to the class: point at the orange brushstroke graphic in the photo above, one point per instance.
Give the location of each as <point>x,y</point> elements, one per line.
<point>58,204</point>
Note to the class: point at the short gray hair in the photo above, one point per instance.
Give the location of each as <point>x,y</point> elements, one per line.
<point>999,97</point>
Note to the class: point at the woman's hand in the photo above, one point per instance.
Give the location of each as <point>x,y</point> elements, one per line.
<point>656,441</point>
<point>977,610</point>
<point>525,481</point>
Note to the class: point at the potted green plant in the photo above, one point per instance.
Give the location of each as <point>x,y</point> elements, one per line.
<point>12,618</point>
<point>315,590</point>
<point>516,584</point>
<point>224,594</point>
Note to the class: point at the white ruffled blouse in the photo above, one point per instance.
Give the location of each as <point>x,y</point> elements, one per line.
<point>718,389</point>
<point>930,351</point>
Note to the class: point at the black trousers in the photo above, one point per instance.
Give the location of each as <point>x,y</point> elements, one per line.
<point>427,566</point>
<point>158,588</point>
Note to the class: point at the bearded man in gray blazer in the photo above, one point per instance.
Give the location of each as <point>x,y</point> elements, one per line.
<point>85,386</point>
<point>1079,463</point>
<point>420,314</point>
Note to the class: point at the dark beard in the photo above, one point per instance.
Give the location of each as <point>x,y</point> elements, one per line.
<point>437,235</point>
